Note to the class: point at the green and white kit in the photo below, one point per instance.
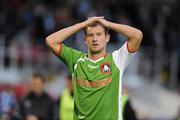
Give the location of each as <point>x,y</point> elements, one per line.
<point>97,84</point>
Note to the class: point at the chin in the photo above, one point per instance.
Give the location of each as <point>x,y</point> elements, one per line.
<point>95,51</point>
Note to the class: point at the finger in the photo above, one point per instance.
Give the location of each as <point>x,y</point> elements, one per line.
<point>102,20</point>
<point>100,17</point>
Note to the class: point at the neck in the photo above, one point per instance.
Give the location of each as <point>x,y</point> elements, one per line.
<point>96,56</point>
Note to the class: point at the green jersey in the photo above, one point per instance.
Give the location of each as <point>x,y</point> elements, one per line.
<point>96,84</point>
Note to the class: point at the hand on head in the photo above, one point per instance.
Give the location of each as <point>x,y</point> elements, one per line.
<point>93,19</point>
<point>104,22</point>
<point>98,18</point>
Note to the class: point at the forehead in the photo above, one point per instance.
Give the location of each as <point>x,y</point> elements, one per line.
<point>95,29</point>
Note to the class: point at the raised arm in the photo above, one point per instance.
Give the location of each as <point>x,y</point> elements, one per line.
<point>53,41</point>
<point>134,35</point>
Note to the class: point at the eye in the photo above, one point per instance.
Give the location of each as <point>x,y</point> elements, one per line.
<point>89,35</point>
<point>99,34</point>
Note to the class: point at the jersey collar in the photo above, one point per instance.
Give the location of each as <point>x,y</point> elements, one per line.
<point>95,61</point>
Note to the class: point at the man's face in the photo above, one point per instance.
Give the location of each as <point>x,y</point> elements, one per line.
<point>96,39</point>
<point>36,85</point>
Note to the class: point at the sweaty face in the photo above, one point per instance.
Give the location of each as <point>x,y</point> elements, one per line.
<point>96,39</point>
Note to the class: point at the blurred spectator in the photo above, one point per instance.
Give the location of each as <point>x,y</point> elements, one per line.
<point>66,102</point>
<point>37,105</point>
<point>127,109</point>
<point>7,102</point>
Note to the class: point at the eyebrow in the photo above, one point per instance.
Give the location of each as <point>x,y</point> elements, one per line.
<point>95,33</point>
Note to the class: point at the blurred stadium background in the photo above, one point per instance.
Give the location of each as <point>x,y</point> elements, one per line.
<point>152,78</point>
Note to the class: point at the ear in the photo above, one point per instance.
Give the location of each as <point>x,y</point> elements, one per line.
<point>85,40</point>
<point>107,38</point>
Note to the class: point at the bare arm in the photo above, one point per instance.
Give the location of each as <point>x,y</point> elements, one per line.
<point>134,35</point>
<point>58,37</point>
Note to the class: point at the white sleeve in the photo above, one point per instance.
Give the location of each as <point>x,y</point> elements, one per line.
<point>122,57</point>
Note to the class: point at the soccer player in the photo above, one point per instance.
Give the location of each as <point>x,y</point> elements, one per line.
<point>97,75</point>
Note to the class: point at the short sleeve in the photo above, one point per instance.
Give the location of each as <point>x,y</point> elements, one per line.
<point>122,57</point>
<point>69,56</point>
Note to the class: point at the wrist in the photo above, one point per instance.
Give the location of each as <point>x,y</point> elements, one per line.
<point>108,24</point>
<point>83,24</point>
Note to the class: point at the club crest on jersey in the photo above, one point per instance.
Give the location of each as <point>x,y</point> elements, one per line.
<point>105,68</point>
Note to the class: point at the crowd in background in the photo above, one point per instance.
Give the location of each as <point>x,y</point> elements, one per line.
<point>25,24</point>
<point>158,20</point>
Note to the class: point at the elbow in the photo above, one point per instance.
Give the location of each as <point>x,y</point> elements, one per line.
<point>48,41</point>
<point>139,35</point>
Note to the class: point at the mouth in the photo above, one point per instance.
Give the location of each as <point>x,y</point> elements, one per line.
<point>94,44</point>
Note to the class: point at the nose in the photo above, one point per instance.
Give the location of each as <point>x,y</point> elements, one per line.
<point>94,38</point>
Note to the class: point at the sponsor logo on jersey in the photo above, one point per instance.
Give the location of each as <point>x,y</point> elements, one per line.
<point>105,68</point>
<point>95,83</point>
